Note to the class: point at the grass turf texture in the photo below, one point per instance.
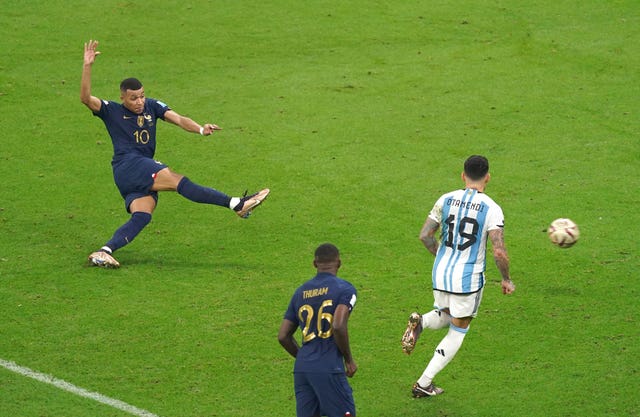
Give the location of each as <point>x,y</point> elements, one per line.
<point>357,115</point>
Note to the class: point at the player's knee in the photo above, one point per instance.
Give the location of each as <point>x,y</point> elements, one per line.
<point>166,180</point>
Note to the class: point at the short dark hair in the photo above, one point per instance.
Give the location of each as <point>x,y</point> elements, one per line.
<point>476,167</point>
<point>327,253</point>
<point>130,84</point>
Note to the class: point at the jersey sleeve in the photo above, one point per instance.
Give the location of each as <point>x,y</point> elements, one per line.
<point>159,108</point>
<point>348,297</point>
<point>436,212</point>
<point>495,219</point>
<point>105,109</point>
<point>291,314</point>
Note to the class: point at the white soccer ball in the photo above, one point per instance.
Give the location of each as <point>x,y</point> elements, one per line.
<point>563,233</point>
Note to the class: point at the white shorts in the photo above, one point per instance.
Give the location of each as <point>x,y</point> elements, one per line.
<point>459,305</point>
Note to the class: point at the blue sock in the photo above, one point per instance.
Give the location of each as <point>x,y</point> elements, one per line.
<point>128,231</point>
<point>200,194</point>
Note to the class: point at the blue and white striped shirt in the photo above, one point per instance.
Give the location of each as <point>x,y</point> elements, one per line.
<point>465,218</point>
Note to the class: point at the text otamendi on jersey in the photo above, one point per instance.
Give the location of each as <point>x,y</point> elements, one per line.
<point>469,205</point>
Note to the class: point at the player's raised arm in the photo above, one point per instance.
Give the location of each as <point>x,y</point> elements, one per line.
<point>90,53</point>
<point>188,124</point>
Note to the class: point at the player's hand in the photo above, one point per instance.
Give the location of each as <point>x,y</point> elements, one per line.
<point>508,287</point>
<point>350,368</point>
<point>90,52</point>
<point>208,128</point>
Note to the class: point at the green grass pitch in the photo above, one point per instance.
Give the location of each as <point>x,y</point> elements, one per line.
<point>357,115</point>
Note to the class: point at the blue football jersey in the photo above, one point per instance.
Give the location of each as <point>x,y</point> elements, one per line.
<point>132,134</point>
<point>312,307</point>
<point>465,218</point>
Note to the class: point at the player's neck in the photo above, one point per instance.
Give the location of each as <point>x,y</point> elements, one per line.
<point>475,186</point>
<point>332,271</point>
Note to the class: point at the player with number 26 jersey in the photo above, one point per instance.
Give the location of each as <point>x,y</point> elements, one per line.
<point>465,217</point>
<point>312,307</point>
<point>321,308</point>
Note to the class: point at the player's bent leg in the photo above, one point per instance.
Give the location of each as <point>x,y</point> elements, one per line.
<point>411,334</point>
<point>142,203</point>
<point>128,231</point>
<point>166,180</point>
<point>436,319</point>
<point>199,194</point>
<point>123,236</point>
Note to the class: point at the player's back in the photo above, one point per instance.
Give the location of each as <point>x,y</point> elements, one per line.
<point>465,217</point>
<point>314,304</point>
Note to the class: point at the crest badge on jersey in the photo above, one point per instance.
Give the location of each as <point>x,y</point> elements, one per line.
<point>140,121</point>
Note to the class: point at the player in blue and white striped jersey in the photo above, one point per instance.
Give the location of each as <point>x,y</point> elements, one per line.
<point>467,219</point>
<point>466,216</point>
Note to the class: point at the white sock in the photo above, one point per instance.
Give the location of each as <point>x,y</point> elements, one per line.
<point>234,202</point>
<point>444,353</point>
<point>436,319</point>
<point>107,249</point>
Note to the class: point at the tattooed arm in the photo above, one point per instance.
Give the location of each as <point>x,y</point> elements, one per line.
<point>502,259</point>
<point>428,233</point>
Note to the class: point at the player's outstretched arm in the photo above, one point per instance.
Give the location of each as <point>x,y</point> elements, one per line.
<point>90,54</point>
<point>502,259</point>
<point>189,125</point>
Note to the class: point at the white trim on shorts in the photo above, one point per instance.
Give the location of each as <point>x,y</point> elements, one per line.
<point>459,305</point>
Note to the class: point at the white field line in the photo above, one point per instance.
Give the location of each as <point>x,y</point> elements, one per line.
<point>64,385</point>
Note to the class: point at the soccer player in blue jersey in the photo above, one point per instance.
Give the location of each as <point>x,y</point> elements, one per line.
<point>467,219</point>
<point>132,127</point>
<point>321,309</point>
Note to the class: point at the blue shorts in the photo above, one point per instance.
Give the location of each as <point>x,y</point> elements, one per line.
<point>323,394</point>
<point>134,178</point>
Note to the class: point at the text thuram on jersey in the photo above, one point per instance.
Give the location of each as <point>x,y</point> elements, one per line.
<point>315,292</point>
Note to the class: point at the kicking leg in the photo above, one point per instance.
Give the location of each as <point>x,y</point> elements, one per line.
<point>166,180</point>
<point>200,194</point>
<point>435,319</point>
